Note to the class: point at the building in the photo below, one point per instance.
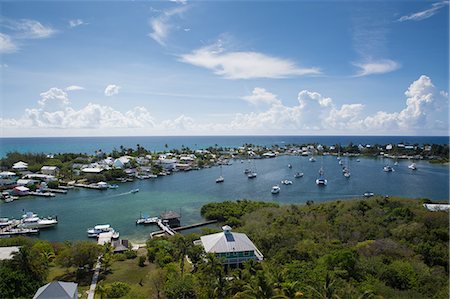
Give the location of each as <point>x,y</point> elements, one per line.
<point>171,218</point>
<point>7,253</point>
<point>20,166</point>
<point>57,289</point>
<point>49,170</point>
<point>120,246</point>
<point>233,248</point>
<point>21,190</point>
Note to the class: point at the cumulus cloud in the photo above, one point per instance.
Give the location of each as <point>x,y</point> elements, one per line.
<point>76,22</point>
<point>376,67</point>
<point>7,45</point>
<point>74,87</point>
<point>260,95</point>
<point>244,65</point>
<point>111,90</point>
<point>424,14</point>
<point>161,25</point>
<point>28,29</point>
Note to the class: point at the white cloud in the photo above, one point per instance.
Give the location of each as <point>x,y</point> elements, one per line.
<point>111,90</point>
<point>74,87</point>
<point>76,22</point>
<point>424,14</point>
<point>28,29</point>
<point>260,95</point>
<point>6,44</point>
<point>53,99</point>
<point>179,1</point>
<point>244,65</point>
<point>161,26</point>
<point>376,67</point>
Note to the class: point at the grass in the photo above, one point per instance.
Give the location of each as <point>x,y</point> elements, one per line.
<point>68,275</point>
<point>129,272</point>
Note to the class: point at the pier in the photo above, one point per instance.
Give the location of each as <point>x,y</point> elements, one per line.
<point>13,230</point>
<point>165,229</point>
<point>43,194</point>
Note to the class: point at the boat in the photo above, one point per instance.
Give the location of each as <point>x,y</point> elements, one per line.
<point>275,189</point>
<point>340,162</point>
<point>31,220</point>
<point>395,163</point>
<point>286,182</point>
<point>113,186</point>
<point>321,181</point>
<point>220,179</point>
<point>412,166</point>
<point>368,194</point>
<point>98,229</point>
<point>134,190</point>
<point>252,175</point>
<point>5,222</point>
<point>298,175</point>
<point>147,220</point>
<point>312,159</point>
<point>388,168</point>
<point>289,166</point>
<point>347,174</point>
<point>247,171</point>
<point>358,160</point>
<point>115,235</point>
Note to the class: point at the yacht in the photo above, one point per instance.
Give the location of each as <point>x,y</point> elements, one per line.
<point>5,222</point>
<point>298,175</point>
<point>347,173</point>
<point>220,179</point>
<point>312,159</point>
<point>388,168</point>
<point>412,166</point>
<point>286,182</point>
<point>252,175</point>
<point>247,171</point>
<point>321,181</point>
<point>368,194</point>
<point>98,229</point>
<point>147,220</point>
<point>31,220</point>
<point>275,189</point>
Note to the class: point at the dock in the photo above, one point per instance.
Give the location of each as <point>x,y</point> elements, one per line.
<point>57,191</point>
<point>12,230</point>
<point>165,229</point>
<point>43,194</point>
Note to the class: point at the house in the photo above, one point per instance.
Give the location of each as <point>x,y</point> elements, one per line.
<point>57,289</point>
<point>121,162</point>
<point>40,177</point>
<point>233,248</point>
<point>171,218</point>
<point>7,174</point>
<point>50,170</point>
<point>95,170</point>
<point>21,190</point>
<point>120,246</point>
<point>27,182</point>
<point>20,166</point>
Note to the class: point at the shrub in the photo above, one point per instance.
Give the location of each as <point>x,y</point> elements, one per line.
<point>120,257</point>
<point>141,261</point>
<point>117,289</point>
<point>130,254</point>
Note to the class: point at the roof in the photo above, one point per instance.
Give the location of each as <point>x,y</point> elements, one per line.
<point>169,215</point>
<point>22,188</point>
<point>20,164</point>
<point>49,167</point>
<point>437,207</point>
<point>7,252</point>
<point>228,241</point>
<point>92,170</point>
<point>7,173</point>
<point>57,290</point>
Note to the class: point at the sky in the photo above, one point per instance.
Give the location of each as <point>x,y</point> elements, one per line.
<point>120,68</point>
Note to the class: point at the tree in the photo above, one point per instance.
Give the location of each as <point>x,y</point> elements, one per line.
<point>158,279</point>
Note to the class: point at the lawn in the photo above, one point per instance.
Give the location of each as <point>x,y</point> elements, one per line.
<point>129,272</point>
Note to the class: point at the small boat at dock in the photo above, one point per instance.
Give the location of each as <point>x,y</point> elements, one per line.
<point>31,220</point>
<point>98,229</point>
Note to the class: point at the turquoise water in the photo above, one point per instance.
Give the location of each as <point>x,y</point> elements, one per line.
<point>187,192</point>
<point>157,143</point>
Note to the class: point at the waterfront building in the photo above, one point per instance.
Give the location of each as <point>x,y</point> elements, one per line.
<point>171,218</point>
<point>57,289</point>
<point>233,248</point>
<point>49,170</point>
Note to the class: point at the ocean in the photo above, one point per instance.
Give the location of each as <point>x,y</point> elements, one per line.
<point>186,192</point>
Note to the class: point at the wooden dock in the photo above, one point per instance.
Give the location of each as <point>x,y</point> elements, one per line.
<point>172,231</point>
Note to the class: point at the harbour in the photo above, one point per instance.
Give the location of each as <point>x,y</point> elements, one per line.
<point>186,192</point>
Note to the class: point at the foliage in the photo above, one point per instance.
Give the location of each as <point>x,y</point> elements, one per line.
<point>117,289</point>
<point>141,261</point>
<point>130,254</point>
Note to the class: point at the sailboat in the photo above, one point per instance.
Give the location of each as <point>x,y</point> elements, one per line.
<point>252,174</point>
<point>321,181</point>
<point>412,166</point>
<point>299,174</point>
<point>220,179</point>
<point>346,171</point>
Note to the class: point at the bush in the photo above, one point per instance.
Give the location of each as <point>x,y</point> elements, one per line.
<point>117,289</point>
<point>130,254</point>
<point>120,257</point>
<point>142,261</point>
<point>53,184</point>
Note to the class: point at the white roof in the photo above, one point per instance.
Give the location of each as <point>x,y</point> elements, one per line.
<point>20,164</point>
<point>22,188</point>
<point>92,170</point>
<point>227,241</point>
<point>25,181</point>
<point>102,226</point>
<point>49,168</point>
<point>7,173</point>
<point>6,252</point>
<point>437,207</point>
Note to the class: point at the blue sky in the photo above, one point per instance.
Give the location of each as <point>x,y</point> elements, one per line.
<point>213,68</point>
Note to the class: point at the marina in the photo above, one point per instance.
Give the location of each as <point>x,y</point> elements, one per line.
<point>188,191</point>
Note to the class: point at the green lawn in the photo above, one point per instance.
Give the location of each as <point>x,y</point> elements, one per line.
<point>129,272</point>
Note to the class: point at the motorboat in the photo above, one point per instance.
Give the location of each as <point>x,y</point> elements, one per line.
<point>134,190</point>
<point>321,181</point>
<point>395,163</point>
<point>340,162</point>
<point>5,222</point>
<point>275,189</point>
<point>412,166</point>
<point>286,182</point>
<point>147,220</point>
<point>289,166</point>
<point>368,194</point>
<point>358,160</point>
<point>312,159</point>
<point>247,171</point>
<point>347,174</point>
<point>113,186</point>
<point>98,229</point>
<point>252,175</point>
<point>115,235</point>
<point>298,175</point>
<point>31,220</point>
<point>388,168</point>
<point>220,179</point>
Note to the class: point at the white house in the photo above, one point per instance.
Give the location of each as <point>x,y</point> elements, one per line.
<point>121,162</point>
<point>49,170</point>
<point>232,248</point>
<point>20,166</point>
